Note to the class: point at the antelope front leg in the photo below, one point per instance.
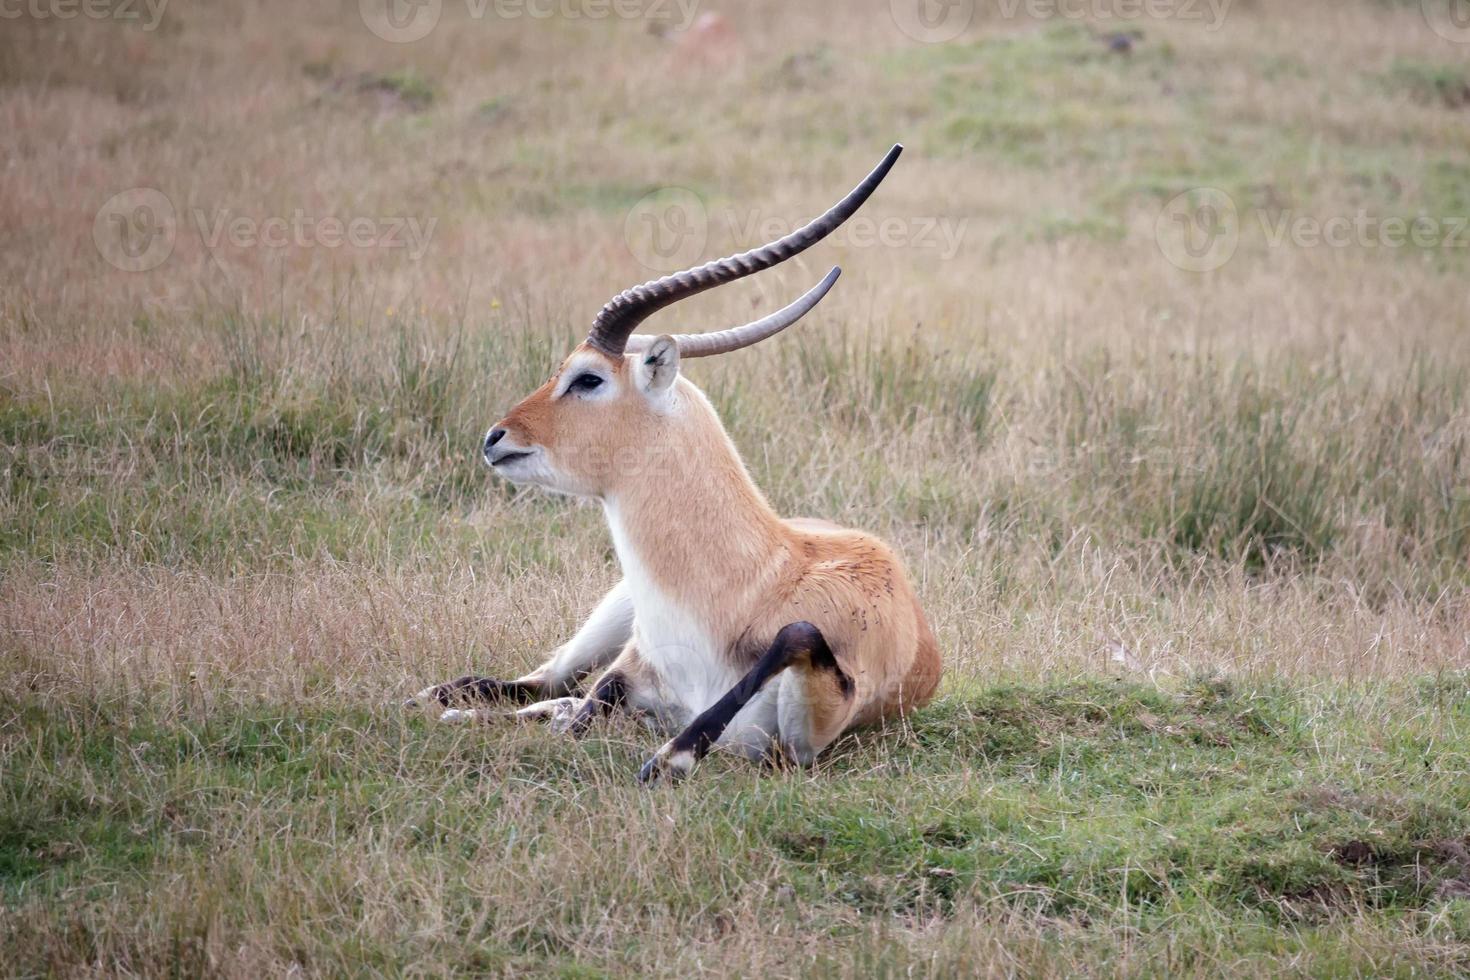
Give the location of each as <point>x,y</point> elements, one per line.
<point>628,683</point>
<point>594,646</point>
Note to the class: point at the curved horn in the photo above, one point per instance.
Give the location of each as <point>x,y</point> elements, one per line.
<point>724,341</point>
<point>622,314</point>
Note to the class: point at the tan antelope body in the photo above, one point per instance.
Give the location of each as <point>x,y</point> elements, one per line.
<point>731,626</point>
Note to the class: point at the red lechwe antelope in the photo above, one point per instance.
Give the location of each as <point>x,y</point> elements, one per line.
<point>731,627</point>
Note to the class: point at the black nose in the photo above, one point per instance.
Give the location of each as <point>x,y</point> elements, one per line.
<point>495,436</point>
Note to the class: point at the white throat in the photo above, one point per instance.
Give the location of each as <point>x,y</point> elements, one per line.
<point>670,637</point>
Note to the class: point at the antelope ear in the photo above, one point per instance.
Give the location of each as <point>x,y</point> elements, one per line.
<point>658,366</point>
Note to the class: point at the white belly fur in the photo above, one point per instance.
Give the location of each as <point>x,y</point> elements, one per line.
<point>694,673</point>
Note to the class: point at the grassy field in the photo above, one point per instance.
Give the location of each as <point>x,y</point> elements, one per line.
<point>1195,540</point>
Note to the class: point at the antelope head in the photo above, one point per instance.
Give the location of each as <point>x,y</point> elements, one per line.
<point>618,398</point>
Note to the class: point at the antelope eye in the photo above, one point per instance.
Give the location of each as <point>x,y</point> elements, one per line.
<point>584,382</point>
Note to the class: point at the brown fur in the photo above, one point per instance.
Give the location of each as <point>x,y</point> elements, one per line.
<point>711,543</point>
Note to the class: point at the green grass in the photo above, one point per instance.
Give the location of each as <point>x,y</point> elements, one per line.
<point>1233,461</point>
<point>1138,128</point>
<point>413,90</point>
<point>1437,84</point>
<point>1273,814</point>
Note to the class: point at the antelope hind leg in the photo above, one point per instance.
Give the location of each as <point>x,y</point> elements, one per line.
<point>800,650</point>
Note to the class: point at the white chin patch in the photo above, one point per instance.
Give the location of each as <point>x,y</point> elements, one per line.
<point>522,469</point>
<point>532,471</point>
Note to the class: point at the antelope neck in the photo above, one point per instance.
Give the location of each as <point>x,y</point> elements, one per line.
<point>701,530</point>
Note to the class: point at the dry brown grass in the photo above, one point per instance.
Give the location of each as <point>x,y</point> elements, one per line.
<point>1058,428</point>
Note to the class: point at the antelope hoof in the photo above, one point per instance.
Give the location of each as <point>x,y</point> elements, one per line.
<point>558,713</point>
<point>441,695</point>
<point>667,765</point>
<point>457,716</point>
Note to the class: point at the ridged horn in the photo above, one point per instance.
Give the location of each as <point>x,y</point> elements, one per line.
<point>724,341</point>
<point>625,311</point>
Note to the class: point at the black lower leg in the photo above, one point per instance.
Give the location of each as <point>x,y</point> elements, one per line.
<point>611,691</point>
<point>469,690</point>
<point>794,643</point>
